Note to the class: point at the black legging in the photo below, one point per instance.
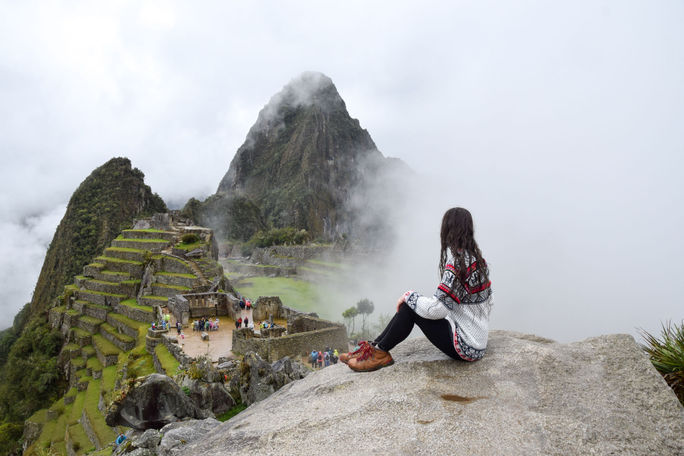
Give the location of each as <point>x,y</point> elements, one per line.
<point>437,331</point>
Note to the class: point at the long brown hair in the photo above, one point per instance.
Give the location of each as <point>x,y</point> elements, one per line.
<point>458,235</point>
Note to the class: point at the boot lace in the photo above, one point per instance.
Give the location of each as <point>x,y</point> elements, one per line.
<point>360,348</point>
<point>366,352</point>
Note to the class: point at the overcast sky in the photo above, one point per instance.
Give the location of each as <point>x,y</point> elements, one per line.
<point>560,125</point>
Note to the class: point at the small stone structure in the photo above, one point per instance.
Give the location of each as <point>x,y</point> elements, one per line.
<point>195,305</point>
<point>303,334</point>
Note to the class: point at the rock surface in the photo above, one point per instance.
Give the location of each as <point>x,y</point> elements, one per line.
<point>151,403</point>
<point>528,396</point>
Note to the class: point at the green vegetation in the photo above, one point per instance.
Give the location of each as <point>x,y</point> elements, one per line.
<point>104,433</point>
<point>232,412</point>
<point>279,236</point>
<point>189,247</point>
<point>166,359</point>
<point>132,303</point>
<point>667,355</point>
<point>295,293</point>
<point>150,241</point>
<point>10,435</point>
<point>176,274</point>
<point>118,260</point>
<point>190,238</point>
<point>146,230</point>
<point>104,346</point>
<point>30,377</point>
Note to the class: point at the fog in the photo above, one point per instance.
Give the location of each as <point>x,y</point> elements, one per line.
<point>557,125</point>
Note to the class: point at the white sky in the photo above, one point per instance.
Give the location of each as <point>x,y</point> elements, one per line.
<point>559,125</point>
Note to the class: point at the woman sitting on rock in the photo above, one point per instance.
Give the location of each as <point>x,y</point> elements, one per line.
<point>456,318</point>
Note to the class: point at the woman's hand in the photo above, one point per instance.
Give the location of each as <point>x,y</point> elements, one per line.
<point>402,299</point>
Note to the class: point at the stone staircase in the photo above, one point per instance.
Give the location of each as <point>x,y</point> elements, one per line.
<point>105,323</point>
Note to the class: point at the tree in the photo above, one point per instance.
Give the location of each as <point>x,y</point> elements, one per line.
<point>365,307</point>
<point>350,315</point>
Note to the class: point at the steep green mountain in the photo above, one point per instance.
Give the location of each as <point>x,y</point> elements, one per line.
<point>105,202</point>
<point>304,164</point>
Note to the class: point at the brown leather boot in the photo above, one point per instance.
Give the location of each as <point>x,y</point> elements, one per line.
<point>345,357</point>
<point>370,359</point>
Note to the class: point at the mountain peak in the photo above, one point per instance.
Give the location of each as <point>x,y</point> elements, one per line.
<point>309,89</point>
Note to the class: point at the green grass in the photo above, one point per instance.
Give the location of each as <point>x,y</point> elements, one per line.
<point>328,264</point>
<point>103,282</point>
<point>155,241</point>
<point>104,433</point>
<point>147,230</point>
<point>118,260</point>
<point>667,355</point>
<point>78,363</point>
<point>116,273</point>
<point>80,439</point>
<point>115,332</point>
<point>72,312</point>
<point>177,274</point>
<point>168,362</point>
<point>96,265</point>
<point>231,413</point>
<point>173,287</point>
<point>82,373</point>
<point>105,346</point>
<point>90,320</point>
<point>38,417</point>
<point>124,249</point>
<point>61,309</point>
<point>102,293</point>
<point>94,364</point>
<point>77,408</point>
<point>88,351</point>
<point>71,346</point>
<point>191,246</point>
<point>132,303</point>
<point>295,293</point>
<point>79,333</point>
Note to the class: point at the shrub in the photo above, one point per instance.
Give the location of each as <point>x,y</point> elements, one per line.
<point>667,355</point>
<point>190,238</point>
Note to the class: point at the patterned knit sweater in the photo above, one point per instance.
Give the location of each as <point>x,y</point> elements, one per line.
<point>465,305</point>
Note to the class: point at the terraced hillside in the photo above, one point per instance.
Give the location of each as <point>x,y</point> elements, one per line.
<point>105,317</point>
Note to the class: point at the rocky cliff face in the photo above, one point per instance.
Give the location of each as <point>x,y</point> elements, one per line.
<point>528,396</point>
<point>106,201</point>
<point>305,163</point>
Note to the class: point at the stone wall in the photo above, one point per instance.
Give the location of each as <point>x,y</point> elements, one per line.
<point>292,255</point>
<point>170,341</point>
<point>179,308</point>
<point>302,323</point>
<point>266,307</point>
<point>293,345</point>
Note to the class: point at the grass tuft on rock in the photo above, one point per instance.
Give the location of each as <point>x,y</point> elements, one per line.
<point>667,355</point>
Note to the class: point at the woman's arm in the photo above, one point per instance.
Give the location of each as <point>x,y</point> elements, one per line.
<point>430,307</point>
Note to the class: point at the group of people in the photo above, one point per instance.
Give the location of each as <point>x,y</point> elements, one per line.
<point>205,324</point>
<point>323,358</point>
<point>240,323</point>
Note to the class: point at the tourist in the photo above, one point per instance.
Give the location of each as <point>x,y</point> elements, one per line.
<point>120,439</point>
<point>207,324</point>
<point>320,360</point>
<point>239,323</point>
<point>167,320</point>
<point>242,304</point>
<point>248,304</point>
<point>246,322</point>
<point>326,359</point>
<point>336,356</point>
<point>456,318</point>
<point>313,357</point>
<point>178,327</point>
<point>216,324</point>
